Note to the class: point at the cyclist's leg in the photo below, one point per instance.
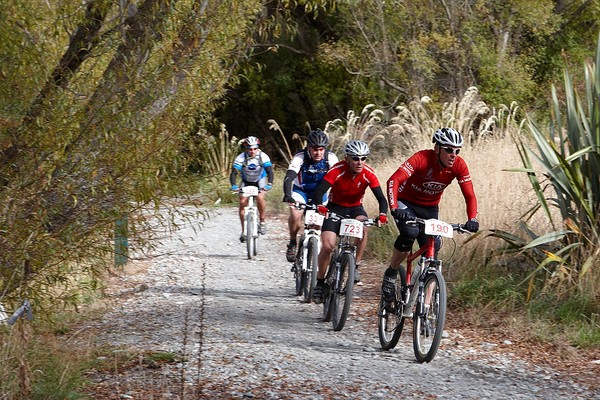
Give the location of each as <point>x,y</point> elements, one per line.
<point>295,218</point>
<point>328,241</point>
<point>262,205</point>
<point>243,203</point>
<point>402,247</point>
<point>360,214</point>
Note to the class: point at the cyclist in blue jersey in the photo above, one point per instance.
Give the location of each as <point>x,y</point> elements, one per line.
<point>304,173</point>
<point>256,169</point>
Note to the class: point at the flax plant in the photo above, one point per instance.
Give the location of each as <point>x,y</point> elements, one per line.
<point>569,154</point>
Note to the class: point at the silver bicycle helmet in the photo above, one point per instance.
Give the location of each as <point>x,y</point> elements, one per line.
<point>448,137</point>
<point>317,138</point>
<point>251,141</point>
<point>357,148</point>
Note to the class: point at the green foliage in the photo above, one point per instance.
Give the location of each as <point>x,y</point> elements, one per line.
<point>576,317</point>
<point>95,112</point>
<point>500,292</point>
<point>569,156</point>
<point>59,371</point>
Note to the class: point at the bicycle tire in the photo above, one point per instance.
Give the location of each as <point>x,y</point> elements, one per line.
<point>428,322</point>
<point>389,317</point>
<point>256,244</point>
<point>343,292</point>
<point>328,295</point>
<point>298,273</point>
<point>250,234</point>
<point>312,265</point>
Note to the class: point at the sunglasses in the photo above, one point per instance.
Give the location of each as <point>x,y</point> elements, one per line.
<point>451,150</point>
<point>357,158</point>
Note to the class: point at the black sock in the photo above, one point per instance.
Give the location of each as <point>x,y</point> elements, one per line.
<point>319,280</point>
<point>293,242</point>
<point>392,273</point>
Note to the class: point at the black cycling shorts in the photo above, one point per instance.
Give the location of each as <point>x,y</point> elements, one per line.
<point>348,212</point>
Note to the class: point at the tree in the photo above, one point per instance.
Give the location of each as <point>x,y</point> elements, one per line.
<point>98,131</point>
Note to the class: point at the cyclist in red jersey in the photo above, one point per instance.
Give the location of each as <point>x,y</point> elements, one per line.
<point>348,181</point>
<point>415,190</point>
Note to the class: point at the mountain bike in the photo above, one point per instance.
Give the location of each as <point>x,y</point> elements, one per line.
<point>423,299</point>
<point>306,264</point>
<point>339,281</point>
<point>251,220</point>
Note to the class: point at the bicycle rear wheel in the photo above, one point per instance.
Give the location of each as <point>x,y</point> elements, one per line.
<point>343,292</point>
<point>389,317</point>
<point>429,318</point>
<point>312,265</point>
<point>250,234</point>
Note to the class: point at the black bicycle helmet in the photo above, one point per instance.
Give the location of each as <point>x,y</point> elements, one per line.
<point>448,137</point>
<point>317,138</point>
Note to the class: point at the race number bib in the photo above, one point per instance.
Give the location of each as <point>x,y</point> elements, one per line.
<point>313,218</point>
<point>248,191</point>
<point>351,227</point>
<point>436,227</point>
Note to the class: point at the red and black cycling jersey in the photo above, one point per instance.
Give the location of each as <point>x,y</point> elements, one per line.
<point>421,180</point>
<point>348,190</point>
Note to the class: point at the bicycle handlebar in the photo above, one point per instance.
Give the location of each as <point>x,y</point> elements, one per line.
<point>460,228</point>
<point>366,222</point>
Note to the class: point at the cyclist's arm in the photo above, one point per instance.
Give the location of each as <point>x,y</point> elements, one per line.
<point>288,180</point>
<point>470,199</point>
<point>383,204</point>
<point>270,175</point>
<point>233,176</point>
<point>320,191</point>
<point>393,183</point>
<point>466,187</point>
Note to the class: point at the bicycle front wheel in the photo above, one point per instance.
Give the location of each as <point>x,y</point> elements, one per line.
<point>329,288</point>
<point>389,316</point>
<point>312,265</point>
<point>256,241</point>
<point>299,274</point>
<point>250,232</point>
<point>429,318</point>
<point>343,292</point>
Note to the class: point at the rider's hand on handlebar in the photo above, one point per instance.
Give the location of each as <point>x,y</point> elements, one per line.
<point>472,225</point>
<point>321,209</point>
<point>382,219</point>
<point>235,188</point>
<point>402,214</point>
<point>288,199</point>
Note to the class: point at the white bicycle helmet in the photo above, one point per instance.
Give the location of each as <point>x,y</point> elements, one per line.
<point>448,137</point>
<point>357,148</point>
<point>251,142</point>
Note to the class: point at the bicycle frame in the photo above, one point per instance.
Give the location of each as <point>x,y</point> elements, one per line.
<point>251,220</point>
<point>427,260</point>
<point>340,274</point>
<point>312,228</point>
<point>422,296</point>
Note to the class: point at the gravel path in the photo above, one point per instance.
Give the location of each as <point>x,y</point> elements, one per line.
<point>243,334</point>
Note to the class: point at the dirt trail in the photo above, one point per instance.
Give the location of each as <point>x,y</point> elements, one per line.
<point>243,334</point>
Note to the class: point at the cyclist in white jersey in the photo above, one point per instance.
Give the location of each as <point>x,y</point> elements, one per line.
<point>256,169</point>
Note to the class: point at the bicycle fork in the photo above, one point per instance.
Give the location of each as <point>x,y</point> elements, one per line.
<point>305,243</point>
